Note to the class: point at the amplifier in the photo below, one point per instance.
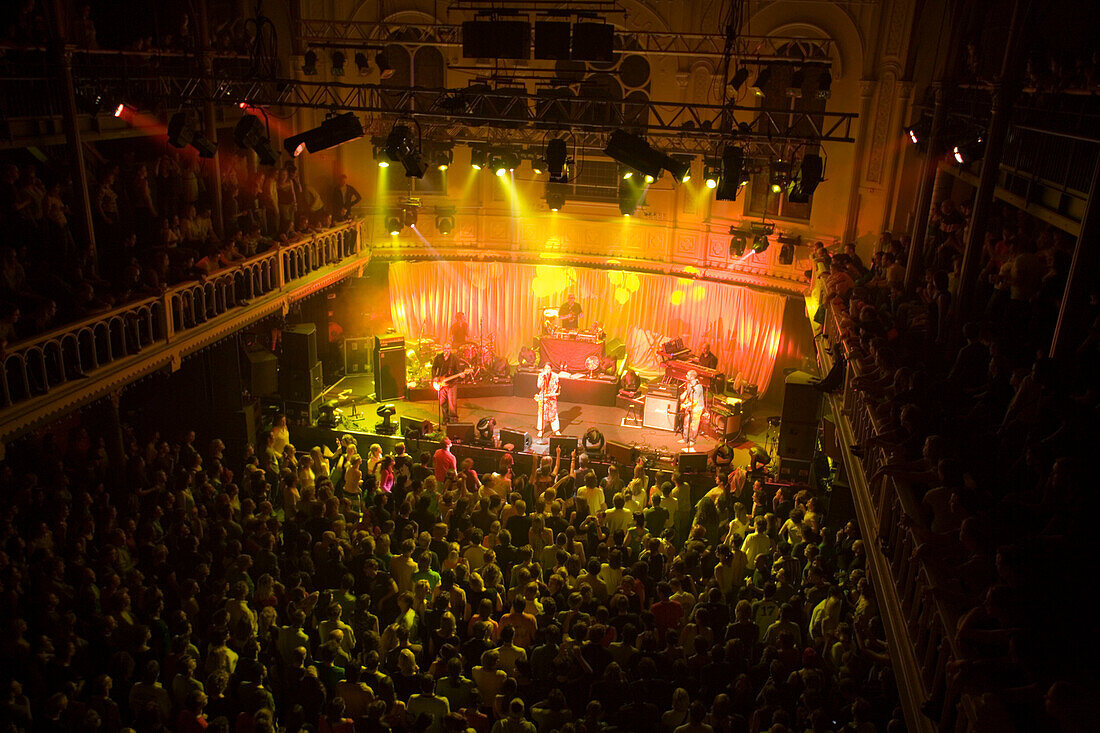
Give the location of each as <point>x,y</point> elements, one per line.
<point>389,341</point>
<point>660,411</point>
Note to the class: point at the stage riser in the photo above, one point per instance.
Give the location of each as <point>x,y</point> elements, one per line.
<point>465,391</point>
<point>582,391</point>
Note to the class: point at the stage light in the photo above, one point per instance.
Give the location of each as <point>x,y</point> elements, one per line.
<point>479,157</point>
<point>180,130</point>
<point>338,60</point>
<point>739,78</point>
<point>444,219</point>
<point>711,182</point>
<point>120,109</point>
<point>484,430</point>
<point>628,175</point>
<point>733,162</point>
<point>738,243</point>
<point>760,243</point>
<point>251,135</point>
<point>634,152</point>
<point>824,85</point>
<point>400,148</point>
<point>969,150</point>
<point>680,168</point>
<point>555,196</point>
<point>761,82</point>
<point>443,158</point>
<point>557,160</point>
<point>776,188</point>
<point>593,441</point>
<point>335,130</point>
<point>805,182</point>
<point>779,175</point>
<point>794,88</point>
<point>410,214</point>
<point>362,63</point>
<point>711,174</point>
<point>309,63</point>
<point>386,412</point>
<point>382,61</point>
<point>395,223</point>
<point>383,164</point>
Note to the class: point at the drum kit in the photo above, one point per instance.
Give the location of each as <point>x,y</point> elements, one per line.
<point>479,357</point>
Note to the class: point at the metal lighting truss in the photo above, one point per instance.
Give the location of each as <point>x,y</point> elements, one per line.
<point>759,49</point>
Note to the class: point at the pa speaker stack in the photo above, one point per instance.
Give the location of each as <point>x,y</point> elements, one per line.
<point>301,376</point>
<point>798,428</point>
<point>389,367</point>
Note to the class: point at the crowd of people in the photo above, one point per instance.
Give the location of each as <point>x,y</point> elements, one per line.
<point>183,588</point>
<point>153,228</point>
<point>991,438</point>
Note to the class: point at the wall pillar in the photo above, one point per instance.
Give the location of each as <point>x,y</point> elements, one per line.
<point>851,221</point>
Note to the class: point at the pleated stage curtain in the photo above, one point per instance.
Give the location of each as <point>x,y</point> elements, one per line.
<point>506,300</point>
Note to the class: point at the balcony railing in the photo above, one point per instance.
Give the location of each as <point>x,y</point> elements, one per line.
<point>920,625</point>
<point>47,362</point>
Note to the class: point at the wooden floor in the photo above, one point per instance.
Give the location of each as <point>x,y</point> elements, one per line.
<point>519,413</point>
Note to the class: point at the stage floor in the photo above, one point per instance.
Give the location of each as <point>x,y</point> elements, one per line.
<point>519,413</point>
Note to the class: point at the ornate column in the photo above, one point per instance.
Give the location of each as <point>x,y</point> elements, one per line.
<point>851,221</point>
<point>901,112</point>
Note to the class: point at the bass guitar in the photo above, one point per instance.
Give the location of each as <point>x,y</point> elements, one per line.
<point>438,384</point>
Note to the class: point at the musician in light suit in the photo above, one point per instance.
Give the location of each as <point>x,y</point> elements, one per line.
<point>443,366</point>
<point>547,397</point>
<point>692,403</point>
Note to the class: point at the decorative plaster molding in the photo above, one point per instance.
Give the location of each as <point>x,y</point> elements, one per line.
<point>883,109</point>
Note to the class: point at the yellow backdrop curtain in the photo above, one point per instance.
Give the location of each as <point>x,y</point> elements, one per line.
<point>506,301</point>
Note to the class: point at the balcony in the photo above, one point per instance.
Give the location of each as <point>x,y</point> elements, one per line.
<point>55,372</point>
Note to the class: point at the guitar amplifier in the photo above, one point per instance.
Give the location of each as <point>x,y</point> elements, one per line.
<point>660,411</point>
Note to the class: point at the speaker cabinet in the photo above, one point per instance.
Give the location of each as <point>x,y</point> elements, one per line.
<point>797,440</point>
<point>620,453</point>
<point>299,347</point>
<point>567,443</point>
<point>794,471</point>
<point>801,402</point>
<point>519,439</point>
<point>357,356</point>
<point>461,432</point>
<point>296,386</point>
<point>263,369</point>
<point>389,373</point>
<point>692,462</point>
<point>660,412</point>
<point>303,412</point>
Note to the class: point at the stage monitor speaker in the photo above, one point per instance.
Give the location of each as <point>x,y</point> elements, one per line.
<point>357,356</point>
<point>692,462</point>
<point>461,432</point>
<point>567,442</point>
<point>389,374</point>
<point>797,440</point>
<point>263,369</point>
<point>296,386</point>
<point>660,412</point>
<point>801,402</point>
<point>519,439</point>
<point>620,453</point>
<point>302,412</point>
<point>794,471</point>
<point>299,347</point>
<point>410,424</point>
<point>524,463</point>
<point>615,347</point>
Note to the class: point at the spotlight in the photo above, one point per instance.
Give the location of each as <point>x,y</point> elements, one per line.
<point>778,175</point>
<point>739,78</point>
<point>400,148</point>
<point>479,158</point>
<point>335,130</point>
<point>386,412</point>
<point>444,219</point>
<point>806,180</point>
<point>786,249</point>
<point>121,109</point>
<point>251,135</point>
<point>794,88</point>
<point>634,152</point>
<point>382,61</point>
<point>627,175</point>
<point>760,243</point>
<point>630,195</point>
<point>338,59</point>
<point>738,244</point>
<point>309,63</point>
<point>362,63</point>
<point>383,164</point>
<point>443,159</point>
<point>484,430</point>
<point>680,168</point>
<point>761,82</point>
<point>394,224</point>
<point>729,182</point>
<point>410,214</point>
<point>711,174</point>
<point>969,150</point>
<point>824,85</point>
<point>555,196</point>
<point>180,131</point>
<point>593,441</point>
<point>557,160</point>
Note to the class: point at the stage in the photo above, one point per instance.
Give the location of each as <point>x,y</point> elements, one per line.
<point>515,413</point>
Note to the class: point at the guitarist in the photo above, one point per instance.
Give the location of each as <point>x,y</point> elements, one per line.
<point>443,366</point>
<point>692,404</point>
<point>547,399</point>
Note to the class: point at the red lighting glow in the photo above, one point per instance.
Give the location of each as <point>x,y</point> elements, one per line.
<point>119,110</point>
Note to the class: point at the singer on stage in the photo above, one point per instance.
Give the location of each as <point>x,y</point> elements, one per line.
<point>445,366</point>
<point>692,402</point>
<point>547,399</point>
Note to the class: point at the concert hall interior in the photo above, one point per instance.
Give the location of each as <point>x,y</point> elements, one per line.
<point>548,366</point>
